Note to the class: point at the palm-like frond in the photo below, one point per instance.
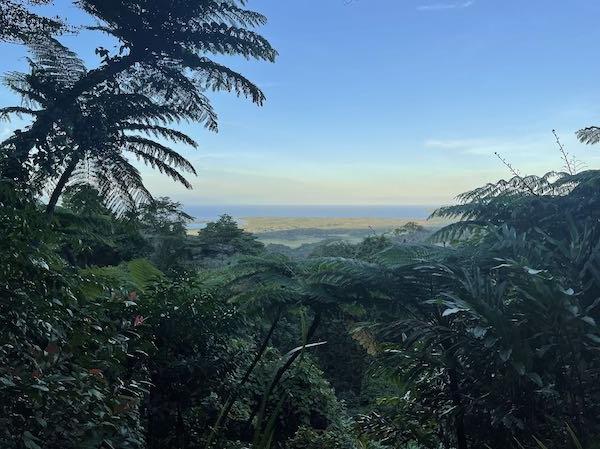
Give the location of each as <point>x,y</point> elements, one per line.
<point>20,84</point>
<point>162,57</point>
<point>57,63</point>
<point>161,131</point>
<point>545,204</point>
<point>6,112</point>
<point>95,134</point>
<point>119,182</point>
<point>589,135</point>
<point>217,77</point>
<point>189,30</point>
<point>206,26</point>
<point>161,166</point>
<point>20,24</point>
<point>166,84</point>
<point>144,146</point>
<point>230,12</point>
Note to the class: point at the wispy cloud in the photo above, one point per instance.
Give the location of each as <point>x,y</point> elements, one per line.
<point>445,6</point>
<point>525,146</point>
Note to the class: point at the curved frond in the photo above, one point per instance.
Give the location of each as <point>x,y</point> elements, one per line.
<point>218,38</point>
<point>5,113</point>
<point>163,167</point>
<point>589,135</point>
<point>141,145</point>
<point>20,24</point>
<point>57,62</point>
<point>218,77</point>
<point>159,131</point>
<point>22,85</point>
<point>120,184</point>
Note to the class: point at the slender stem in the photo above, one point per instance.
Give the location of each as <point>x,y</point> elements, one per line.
<point>294,356</point>
<point>60,185</point>
<point>516,174</point>
<point>283,369</point>
<point>569,165</point>
<point>233,396</point>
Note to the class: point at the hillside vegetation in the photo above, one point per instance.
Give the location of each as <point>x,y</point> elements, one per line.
<point>119,329</point>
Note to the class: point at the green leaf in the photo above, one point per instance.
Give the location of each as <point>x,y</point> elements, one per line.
<point>536,379</point>
<point>30,441</point>
<point>505,354</point>
<point>540,444</point>
<point>595,338</point>
<point>108,444</point>
<point>301,348</point>
<point>589,320</point>
<point>7,382</point>
<point>452,311</point>
<point>574,438</point>
<point>519,367</point>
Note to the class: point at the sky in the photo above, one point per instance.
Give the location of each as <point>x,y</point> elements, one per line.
<point>390,101</point>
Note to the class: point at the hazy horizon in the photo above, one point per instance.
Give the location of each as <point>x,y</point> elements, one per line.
<point>410,112</point>
<point>205,212</point>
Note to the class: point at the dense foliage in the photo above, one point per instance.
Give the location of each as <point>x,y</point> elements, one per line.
<point>122,328</point>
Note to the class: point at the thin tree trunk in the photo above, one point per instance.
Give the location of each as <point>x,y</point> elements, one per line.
<point>222,418</point>
<point>44,121</point>
<point>282,370</point>
<point>294,356</point>
<point>60,186</point>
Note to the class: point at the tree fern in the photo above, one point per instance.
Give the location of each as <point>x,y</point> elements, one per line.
<point>164,55</point>
<point>100,130</point>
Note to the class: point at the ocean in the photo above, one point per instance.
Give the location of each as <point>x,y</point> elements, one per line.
<point>213,212</point>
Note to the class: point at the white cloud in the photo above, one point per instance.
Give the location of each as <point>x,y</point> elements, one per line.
<point>525,146</point>
<point>445,6</point>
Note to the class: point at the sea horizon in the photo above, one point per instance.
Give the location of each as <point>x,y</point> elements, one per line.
<point>212,212</point>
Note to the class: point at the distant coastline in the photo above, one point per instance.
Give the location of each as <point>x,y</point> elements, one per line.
<point>262,225</point>
<point>295,226</point>
<point>204,213</point>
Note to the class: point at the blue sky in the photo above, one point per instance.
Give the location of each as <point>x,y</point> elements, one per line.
<point>392,101</point>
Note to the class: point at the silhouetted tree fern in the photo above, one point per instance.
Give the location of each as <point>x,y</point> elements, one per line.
<point>164,48</point>
<point>89,145</point>
<point>548,203</point>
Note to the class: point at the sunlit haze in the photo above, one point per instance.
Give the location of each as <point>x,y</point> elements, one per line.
<point>390,102</point>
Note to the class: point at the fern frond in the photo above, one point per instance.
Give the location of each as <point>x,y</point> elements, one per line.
<point>160,131</point>
<point>589,135</point>
<point>158,163</point>
<point>398,256</point>
<point>6,112</point>
<point>119,183</point>
<point>217,77</point>
<point>57,62</point>
<point>141,145</point>
<point>230,13</point>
